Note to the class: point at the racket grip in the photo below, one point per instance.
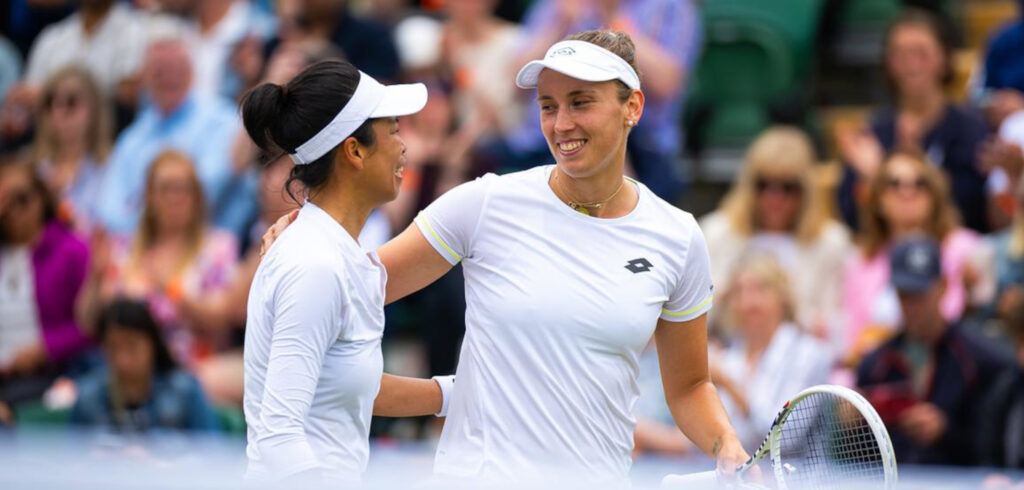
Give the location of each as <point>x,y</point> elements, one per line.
<point>704,479</point>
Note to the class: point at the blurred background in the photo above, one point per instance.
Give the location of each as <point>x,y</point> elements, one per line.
<point>811,138</point>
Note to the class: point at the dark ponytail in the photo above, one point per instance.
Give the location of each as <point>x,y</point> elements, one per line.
<point>281,118</point>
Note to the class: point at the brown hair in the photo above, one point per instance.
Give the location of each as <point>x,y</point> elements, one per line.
<point>780,150</point>
<point>942,220</point>
<point>101,120</point>
<point>617,42</point>
<point>17,162</point>
<point>147,233</point>
<point>917,17</point>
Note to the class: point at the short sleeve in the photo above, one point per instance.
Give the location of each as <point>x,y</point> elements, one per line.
<point>694,292</point>
<point>450,222</point>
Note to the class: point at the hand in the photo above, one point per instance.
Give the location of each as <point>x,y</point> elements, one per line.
<point>1001,154</point>
<point>275,231</point>
<point>924,423</point>
<point>26,361</point>
<point>100,252</point>
<point>729,455</point>
<point>1001,104</point>
<point>860,149</point>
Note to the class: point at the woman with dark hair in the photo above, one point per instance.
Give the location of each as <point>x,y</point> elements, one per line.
<point>313,364</point>
<point>921,119</point>
<point>141,387</point>
<point>42,269</point>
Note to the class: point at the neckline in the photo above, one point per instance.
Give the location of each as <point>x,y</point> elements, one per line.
<point>564,208</point>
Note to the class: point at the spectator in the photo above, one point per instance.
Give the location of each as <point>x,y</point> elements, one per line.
<point>1001,425</point>
<point>475,47</point>
<point>922,119</point>
<point>908,196</point>
<point>667,34</point>
<point>222,28</point>
<point>775,207</point>
<point>927,381</point>
<point>1009,264</point>
<point>174,262</point>
<point>42,269</point>
<point>140,388</point>
<point>204,127</point>
<point>10,66</point>
<point>772,357</point>
<point>1004,60</point>
<point>73,140</point>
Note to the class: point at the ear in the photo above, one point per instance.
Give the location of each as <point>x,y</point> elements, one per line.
<point>350,152</point>
<point>635,106</point>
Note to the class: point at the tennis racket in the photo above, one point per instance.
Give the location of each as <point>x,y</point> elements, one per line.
<point>826,437</point>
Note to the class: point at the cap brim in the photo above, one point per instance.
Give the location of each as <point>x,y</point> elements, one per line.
<point>910,283</point>
<point>528,75</point>
<point>401,100</point>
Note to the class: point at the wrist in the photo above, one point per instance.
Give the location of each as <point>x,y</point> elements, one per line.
<point>447,385</point>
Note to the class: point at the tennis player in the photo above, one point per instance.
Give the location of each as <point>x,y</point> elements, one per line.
<point>316,306</point>
<point>569,269</point>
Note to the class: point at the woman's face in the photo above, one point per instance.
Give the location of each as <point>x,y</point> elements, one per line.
<point>584,123</point>
<point>21,206</point>
<point>173,195</point>
<point>756,305</point>
<point>906,201</point>
<point>914,60</point>
<point>130,354</point>
<point>778,201</point>
<point>70,110</point>
<point>383,167</point>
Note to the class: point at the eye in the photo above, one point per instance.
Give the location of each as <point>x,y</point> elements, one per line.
<point>580,103</point>
<point>546,107</point>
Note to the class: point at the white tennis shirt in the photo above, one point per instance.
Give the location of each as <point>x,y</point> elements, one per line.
<point>312,352</point>
<point>559,306</point>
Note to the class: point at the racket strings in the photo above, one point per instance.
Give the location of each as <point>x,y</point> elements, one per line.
<point>826,442</point>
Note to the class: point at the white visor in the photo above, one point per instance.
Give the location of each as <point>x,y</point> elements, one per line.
<point>580,60</point>
<point>371,100</point>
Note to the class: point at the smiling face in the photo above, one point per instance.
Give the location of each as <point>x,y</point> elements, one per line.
<point>384,162</point>
<point>585,123</point>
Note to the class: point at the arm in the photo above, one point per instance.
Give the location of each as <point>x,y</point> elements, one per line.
<point>400,396</point>
<point>411,262</point>
<point>695,406</point>
<point>307,302</point>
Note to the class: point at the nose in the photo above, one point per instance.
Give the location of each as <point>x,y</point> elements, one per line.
<point>563,121</point>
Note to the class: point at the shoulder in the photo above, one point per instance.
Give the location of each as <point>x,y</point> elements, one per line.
<point>220,243</point>
<point>671,219</point>
<point>964,118</point>
<point>834,234</point>
<point>960,240</point>
<point>52,35</point>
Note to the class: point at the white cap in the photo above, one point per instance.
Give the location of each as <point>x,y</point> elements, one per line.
<point>370,100</point>
<point>580,60</point>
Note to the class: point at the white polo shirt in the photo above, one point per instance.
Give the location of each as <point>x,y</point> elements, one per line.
<point>559,306</point>
<point>312,352</point>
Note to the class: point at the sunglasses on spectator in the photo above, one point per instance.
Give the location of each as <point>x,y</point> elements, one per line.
<point>66,101</point>
<point>20,199</point>
<point>918,184</point>
<point>788,187</point>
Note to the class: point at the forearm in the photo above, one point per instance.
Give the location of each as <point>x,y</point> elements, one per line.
<point>400,396</point>
<point>698,412</point>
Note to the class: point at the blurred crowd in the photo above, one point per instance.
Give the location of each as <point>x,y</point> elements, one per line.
<point>132,204</point>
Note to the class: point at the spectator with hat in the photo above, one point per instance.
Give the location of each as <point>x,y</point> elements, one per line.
<point>926,380</point>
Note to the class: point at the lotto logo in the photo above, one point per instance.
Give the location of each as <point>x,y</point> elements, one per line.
<point>637,266</point>
<point>562,52</point>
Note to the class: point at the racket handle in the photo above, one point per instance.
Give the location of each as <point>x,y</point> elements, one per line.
<point>704,479</point>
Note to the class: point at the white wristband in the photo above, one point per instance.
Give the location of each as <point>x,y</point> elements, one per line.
<point>447,384</point>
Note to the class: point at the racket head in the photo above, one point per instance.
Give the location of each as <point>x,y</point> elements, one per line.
<point>830,437</point>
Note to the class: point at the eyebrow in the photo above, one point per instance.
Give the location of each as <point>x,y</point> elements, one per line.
<point>574,93</point>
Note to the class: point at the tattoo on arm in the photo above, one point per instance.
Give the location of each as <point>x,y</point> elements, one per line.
<point>716,446</point>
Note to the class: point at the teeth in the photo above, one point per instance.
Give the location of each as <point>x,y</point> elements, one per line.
<point>570,146</point>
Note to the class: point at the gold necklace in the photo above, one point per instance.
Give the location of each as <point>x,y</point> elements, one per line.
<point>584,207</point>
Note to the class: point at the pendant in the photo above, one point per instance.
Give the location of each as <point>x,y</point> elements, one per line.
<point>576,207</point>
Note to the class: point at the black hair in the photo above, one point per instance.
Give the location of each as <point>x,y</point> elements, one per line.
<point>280,118</point>
<point>134,315</point>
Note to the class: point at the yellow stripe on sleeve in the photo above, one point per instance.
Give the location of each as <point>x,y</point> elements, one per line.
<point>437,237</point>
<point>691,310</point>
